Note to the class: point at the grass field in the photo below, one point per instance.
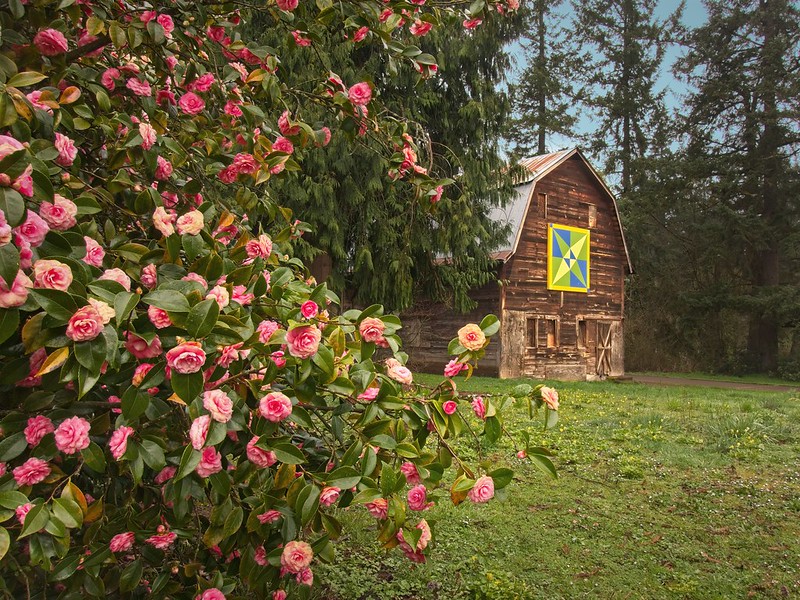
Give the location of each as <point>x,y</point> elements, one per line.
<point>663,493</point>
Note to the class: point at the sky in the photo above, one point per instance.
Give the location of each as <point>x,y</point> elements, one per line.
<point>694,14</point>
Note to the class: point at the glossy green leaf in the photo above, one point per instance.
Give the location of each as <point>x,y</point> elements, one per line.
<point>202,318</point>
<point>169,300</point>
<point>187,386</point>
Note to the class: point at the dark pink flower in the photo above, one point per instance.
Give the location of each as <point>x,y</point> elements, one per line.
<point>31,472</point>
<point>191,103</point>
<point>50,42</point>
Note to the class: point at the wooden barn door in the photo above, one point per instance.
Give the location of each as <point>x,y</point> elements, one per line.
<point>609,349</point>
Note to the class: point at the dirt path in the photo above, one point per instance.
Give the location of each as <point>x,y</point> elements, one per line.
<point>731,385</point>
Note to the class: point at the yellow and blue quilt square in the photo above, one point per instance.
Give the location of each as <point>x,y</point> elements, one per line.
<point>567,258</point>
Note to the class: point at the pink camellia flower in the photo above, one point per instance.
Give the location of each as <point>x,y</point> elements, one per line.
<point>162,220</point>
<point>139,347</point>
<point>117,275</point>
<point>285,127</point>
<point>483,490</point>
<point>148,135</point>
<point>360,94</point>
<point>378,508</point>
<point>230,354</point>
<point>471,337</point>
<point>271,516</point>
<point>454,367</point>
<point>409,469</point>
<point>260,558</point>
<point>326,132</point>
<point>244,162</point>
<point>550,397</point>
<point>369,394</point>
<point>165,474</point>
<point>109,78</point>
<point>265,330</point>
<point>329,495</point>
<point>139,87</point>
<point>220,294</point>
<point>60,214</point>
<point>309,309</point>
<point>50,42</point>
<point>162,541</point>
<point>242,296</point>
<point>305,577</point>
<point>275,407</point>
<point>122,542</point>
<point>191,223</point>
<point>449,407</point>
<point>35,362</point>
<point>118,443</point>
<point>472,23</point>
<point>420,28</point>
<point>262,246</point>
<point>94,252</point>
<point>437,195</point>
<point>385,15</point>
<point>228,174</point>
<point>31,472</point>
<point>51,275</point>
<point>191,103</point>
<point>198,432</point>
<point>5,230</point>
<point>158,317</point>
<point>196,278</point>
<point>147,16</point>
<point>418,498</point>
<point>283,144</point>
<point>163,168</point>
<point>210,462</point>
<point>303,341</point>
<point>21,512</point>
<point>149,276</point>
<point>38,427</point>
<point>140,373</point>
<point>287,5</point>
<point>361,34</point>
<point>211,594</point>
<point>85,325</point>
<point>167,24</point>
<point>415,554</point>
<point>67,151</point>
<point>17,294</point>
<point>258,456</point>
<point>300,39</point>
<point>479,407</point>
<point>296,556</point>
<point>278,358</point>
<point>72,435</point>
<point>219,405</point>
<point>33,230</point>
<point>232,108</point>
<point>371,329</point>
<point>522,454</point>
<point>399,372</point>
<point>186,358</point>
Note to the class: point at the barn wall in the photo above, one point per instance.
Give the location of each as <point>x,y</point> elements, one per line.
<point>561,328</point>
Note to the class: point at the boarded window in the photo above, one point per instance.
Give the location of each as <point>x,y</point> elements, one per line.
<point>533,333</point>
<point>542,205</point>
<point>592,216</point>
<point>581,331</point>
<point>551,327</point>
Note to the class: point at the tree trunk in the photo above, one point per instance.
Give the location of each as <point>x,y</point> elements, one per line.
<point>541,65</point>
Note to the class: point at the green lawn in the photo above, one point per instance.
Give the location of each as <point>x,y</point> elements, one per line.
<point>663,493</point>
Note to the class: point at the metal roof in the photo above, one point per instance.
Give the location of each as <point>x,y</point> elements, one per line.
<point>513,214</point>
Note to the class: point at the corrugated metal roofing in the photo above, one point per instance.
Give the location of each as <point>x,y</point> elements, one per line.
<point>514,212</point>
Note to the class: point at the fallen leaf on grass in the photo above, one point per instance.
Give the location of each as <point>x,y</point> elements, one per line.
<point>710,558</point>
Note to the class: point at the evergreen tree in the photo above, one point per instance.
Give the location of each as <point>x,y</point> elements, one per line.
<point>545,96</point>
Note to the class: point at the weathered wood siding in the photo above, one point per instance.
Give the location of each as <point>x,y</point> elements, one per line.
<point>560,329</point>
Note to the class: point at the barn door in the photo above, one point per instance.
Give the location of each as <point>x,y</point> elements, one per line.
<point>609,349</point>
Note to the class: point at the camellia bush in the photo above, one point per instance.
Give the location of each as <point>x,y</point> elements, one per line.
<point>184,409</point>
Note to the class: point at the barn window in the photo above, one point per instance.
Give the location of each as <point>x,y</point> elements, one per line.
<point>581,330</point>
<point>551,327</point>
<point>592,216</point>
<point>533,333</point>
<point>542,205</point>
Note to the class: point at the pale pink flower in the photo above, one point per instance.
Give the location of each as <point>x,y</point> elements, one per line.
<point>550,397</point>
<point>196,278</point>
<point>285,127</point>
<point>149,276</point>
<point>303,341</point>
<point>479,407</point>
<point>296,556</point>
<point>360,94</point>
<point>60,214</point>
<point>220,294</point>
<point>399,372</point>
<point>369,394</point>
<point>94,252</point>
<point>275,407</point>
<point>305,577</point>
<point>191,103</point>
<point>409,469</point>
<point>33,230</point>
<point>37,427</point>
<point>449,407</point>
<point>167,24</point>
<point>418,498</point>
<point>198,432</point>
<point>140,373</point>
<point>162,541</point>
<point>265,330</point>
<point>117,275</point>
<point>139,87</point>
<point>483,490</point>
<point>191,223</point>
<point>210,462</point>
<point>50,42</point>
<point>211,594</point>
<point>371,329</point>
<point>122,542</point>
<point>118,443</point>
<point>242,296</point>
<point>139,347</point>
<point>271,516</point>
<point>31,472</point>
<point>163,168</point>
<point>258,456</point>
<point>72,435</point>
<point>471,337</point>
<point>262,246</point>
<point>415,554</point>
<point>186,358</point>
<point>162,220</point>
<point>51,275</point>
<point>103,309</point>
<point>22,511</point>
<point>378,508</point>
<point>329,495</point>
<point>454,367</point>
<point>109,78</point>
<point>17,294</point>
<point>278,358</point>
<point>67,151</point>
<point>85,325</point>
<point>148,135</point>
<point>5,230</point>
<point>219,405</point>
<point>158,317</point>
<point>309,309</point>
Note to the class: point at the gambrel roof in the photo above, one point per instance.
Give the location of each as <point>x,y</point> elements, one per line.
<point>534,169</point>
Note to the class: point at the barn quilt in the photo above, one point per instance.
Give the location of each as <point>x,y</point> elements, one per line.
<point>567,258</point>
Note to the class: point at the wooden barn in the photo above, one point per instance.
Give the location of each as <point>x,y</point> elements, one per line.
<point>561,282</point>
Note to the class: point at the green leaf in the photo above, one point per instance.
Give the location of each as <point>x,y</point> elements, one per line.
<point>94,458</point>
<point>492,429</point>
<point>9,323</point>
<point>288,454</point>
<point>91,354</point>
<point>233,522</point>
<point>550,419</point>
<point>9,263</point>
<point>68,512</point>
<point>202,318</point>
<point>134,403</point>
<point>454,347</point>
<point>25,79</point>
<point>35,520</point>
<point>187,386</point>
<point>169,300</point>
<point>66,568</point>
<point>522,390</point>
<point>12,499</point>
<point>501,477</point>
<point>153,455</point>
<point>324,360</point>
<point>130,576</point>
<point>490,325</point>
<point>543,463</point>
<point>124,303</point>
<point>384,441</point>
<point>12,205</point>
<point>307,503</point>
<point>12,446</point>
<point>189,460</point>
<point>344,478</point>
<point>5,542</point>
<point>59,306</point>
